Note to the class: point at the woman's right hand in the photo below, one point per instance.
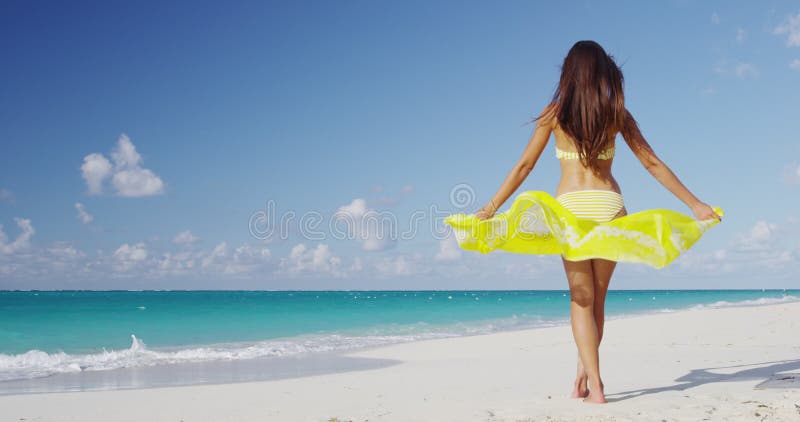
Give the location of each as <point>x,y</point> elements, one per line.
<point>487,211</point>
<point>703,211</point>
<point>484,213</point>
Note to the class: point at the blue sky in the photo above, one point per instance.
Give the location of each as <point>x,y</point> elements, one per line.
<point>173,124</point>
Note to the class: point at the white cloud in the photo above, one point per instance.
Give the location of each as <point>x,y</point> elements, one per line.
<point>128,177</point>
<point>54,264</point>
<point>22,241</point>
<point>715,18</point>
<point>95,169</point>
<point>301,259</point>
<point>795,64</point>
<point>403,265</point>
<point>448,250</point>
<point>137,182</point>
<point>177,263</point>
<point>760,250</point>
<point>375,230</point>
<point>83,215</point>
<point>355,209</point>
<point>128,256</point>
<point>185,238</point>
<point>245,259</point>
<point>219,252</point>
<point>790,28</point>
<point>396,266</point>
<point>717,261</point>
<point>65,252</point>
<point>125,155</point>
<point>760,237</point>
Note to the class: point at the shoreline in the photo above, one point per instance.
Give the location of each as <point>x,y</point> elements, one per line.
<point>784,289</point>
<point>270,368</point>
<point>688,364</point>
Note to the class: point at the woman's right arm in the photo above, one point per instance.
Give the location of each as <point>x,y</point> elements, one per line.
<point>635,140</point>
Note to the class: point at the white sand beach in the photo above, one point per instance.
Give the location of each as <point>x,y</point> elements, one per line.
<point>695,365</point>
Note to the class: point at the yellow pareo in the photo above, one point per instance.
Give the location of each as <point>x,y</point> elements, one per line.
<point>537,223</point>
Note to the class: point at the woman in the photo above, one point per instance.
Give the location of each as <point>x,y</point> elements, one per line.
<point>585,115</point>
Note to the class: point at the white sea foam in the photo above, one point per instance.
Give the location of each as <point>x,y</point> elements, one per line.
<point>36,363</point>
<point>713,305</point>
<point>748,302</point>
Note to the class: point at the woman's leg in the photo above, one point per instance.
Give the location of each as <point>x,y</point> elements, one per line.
<point>580,388</point>
<point>602,269</point>
<point>584,328</point>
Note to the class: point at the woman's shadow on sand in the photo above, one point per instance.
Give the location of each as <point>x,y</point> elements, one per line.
<point>696,377</point>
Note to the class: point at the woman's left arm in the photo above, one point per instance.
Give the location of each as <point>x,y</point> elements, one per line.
<point>518,174</point>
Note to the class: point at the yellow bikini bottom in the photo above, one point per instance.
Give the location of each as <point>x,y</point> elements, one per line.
<point>592,204</point>
<point>578,228</point>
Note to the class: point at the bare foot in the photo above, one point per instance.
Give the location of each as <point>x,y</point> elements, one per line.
<point>596,395</point>
<point>580,390</point>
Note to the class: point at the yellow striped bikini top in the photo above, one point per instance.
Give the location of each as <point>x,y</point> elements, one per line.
<point>605,154</point>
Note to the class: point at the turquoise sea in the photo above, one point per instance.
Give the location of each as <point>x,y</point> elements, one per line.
<point>43,333</point>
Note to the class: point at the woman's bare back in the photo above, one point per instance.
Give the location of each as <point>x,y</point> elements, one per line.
<point>574,175</point>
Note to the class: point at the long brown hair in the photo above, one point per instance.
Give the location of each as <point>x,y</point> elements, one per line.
<point>589,102</point>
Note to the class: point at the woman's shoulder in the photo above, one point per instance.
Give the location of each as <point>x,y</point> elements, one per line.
<point>548,116</point>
